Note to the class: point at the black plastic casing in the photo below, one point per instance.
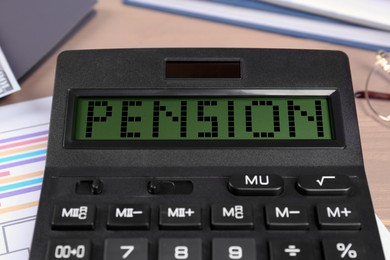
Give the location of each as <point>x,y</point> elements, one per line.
<point>126,169</point>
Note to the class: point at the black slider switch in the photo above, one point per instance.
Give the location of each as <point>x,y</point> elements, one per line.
<point>165,187</point>
<point>89,187</point>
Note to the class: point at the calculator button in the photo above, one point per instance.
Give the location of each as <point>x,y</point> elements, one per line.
<point>290,250</point>
<point>128,216</point>
<point>260,184</point>
<point>233,248</point>
<point>286,217</point>
<point>180,217</point>
<point>70,216</point>
<point>324,184</point>
<point>126,249</point>
<point>231,216</point>
<point>177,249</point>
<point>70,249</point>
<point>338,216</point>
<point>343,249</point>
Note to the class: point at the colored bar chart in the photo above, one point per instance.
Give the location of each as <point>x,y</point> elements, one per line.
<point>22,162</point>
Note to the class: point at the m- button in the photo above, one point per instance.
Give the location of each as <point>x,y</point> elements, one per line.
<point>282,217</point>
<point>256,184</point>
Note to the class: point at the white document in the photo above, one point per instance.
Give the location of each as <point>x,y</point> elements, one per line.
<point>370,13</point>
<point>23,140</point>
<point>385,237</point>
<point>339,33</point>
<point>8,83</point>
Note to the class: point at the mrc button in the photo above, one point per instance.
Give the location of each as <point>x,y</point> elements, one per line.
<point>73,216</point>
<point>256,184</point>
<point>324,184</point>
<point>232,216</point>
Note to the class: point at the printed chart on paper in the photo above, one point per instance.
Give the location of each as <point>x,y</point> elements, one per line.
<point>23,145</point>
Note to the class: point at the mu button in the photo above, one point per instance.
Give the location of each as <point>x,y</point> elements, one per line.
<point>286,217</point>
<point>260,184</point>
<point>326,185</point>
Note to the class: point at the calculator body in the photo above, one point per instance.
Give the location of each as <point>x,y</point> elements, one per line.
<point>221,191</point>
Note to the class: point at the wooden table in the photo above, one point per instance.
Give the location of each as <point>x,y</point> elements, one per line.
<point>119,26</point>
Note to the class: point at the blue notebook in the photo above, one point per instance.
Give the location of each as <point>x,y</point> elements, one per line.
<point>267,17</point>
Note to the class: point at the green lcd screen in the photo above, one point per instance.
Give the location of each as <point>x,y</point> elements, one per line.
<point>178,118</point>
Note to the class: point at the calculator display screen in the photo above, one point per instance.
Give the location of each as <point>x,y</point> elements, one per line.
<point>179,118</point>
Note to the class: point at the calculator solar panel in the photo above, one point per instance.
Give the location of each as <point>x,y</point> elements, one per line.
<point>213,154</point>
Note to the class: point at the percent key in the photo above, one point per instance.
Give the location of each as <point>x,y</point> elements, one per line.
<point>341,249</point>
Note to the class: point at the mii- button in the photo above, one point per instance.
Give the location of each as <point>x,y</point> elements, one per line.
<point>256,184</point>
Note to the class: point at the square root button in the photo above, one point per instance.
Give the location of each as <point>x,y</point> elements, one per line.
<point>324,185</point>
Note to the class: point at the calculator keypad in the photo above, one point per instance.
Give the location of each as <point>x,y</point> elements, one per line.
<point>241,226</point>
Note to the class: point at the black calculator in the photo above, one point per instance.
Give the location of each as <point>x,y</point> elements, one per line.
<point>204,154</point>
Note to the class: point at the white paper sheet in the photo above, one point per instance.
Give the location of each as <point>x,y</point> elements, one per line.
<point>371,13</point>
